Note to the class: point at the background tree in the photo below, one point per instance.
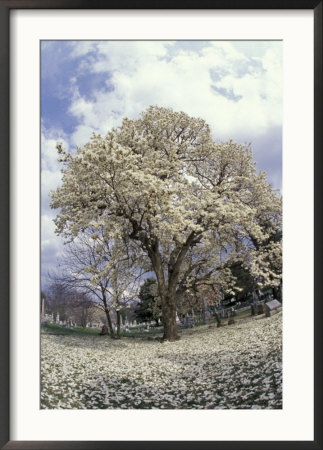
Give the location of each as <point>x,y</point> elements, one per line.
<point>163,182</point>
<point>262,258</point>
<point>57,301</point>
<point>69,304</point>
<point>82,309</point>
<point>244,281</point>
<point>104,270</point>
<point>149,307</point>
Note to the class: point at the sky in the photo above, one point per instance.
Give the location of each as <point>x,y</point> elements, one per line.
<point>86,86</point>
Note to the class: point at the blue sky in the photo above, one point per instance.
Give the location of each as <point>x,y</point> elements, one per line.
<point>86,86</point>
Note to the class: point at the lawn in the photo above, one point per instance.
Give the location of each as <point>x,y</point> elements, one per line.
<point>234,367</point>
<point>53,328</point>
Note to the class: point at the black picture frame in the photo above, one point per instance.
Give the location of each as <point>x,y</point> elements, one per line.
<point>5,7</point>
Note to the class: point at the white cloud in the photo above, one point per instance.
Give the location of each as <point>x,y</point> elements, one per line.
<point>47,231</point>
<point>50,167</point>
<point>145,73</point>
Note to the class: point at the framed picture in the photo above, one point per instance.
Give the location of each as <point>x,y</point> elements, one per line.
<point>169,98</point>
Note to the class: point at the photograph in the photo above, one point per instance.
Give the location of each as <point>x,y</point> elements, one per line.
<point>161,284</point>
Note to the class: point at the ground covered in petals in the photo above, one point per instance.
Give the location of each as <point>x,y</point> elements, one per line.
<point>234,367</point>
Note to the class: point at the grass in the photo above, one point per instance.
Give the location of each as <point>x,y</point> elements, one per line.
<point>59,330</point>
<point>53,328</point>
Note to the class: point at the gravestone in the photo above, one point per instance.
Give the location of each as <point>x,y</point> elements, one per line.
<point>272,307</point>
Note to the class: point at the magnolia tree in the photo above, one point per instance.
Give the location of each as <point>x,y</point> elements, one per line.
<point>161,181</point>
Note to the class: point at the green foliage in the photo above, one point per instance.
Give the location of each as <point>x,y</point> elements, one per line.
<point>149,306</point>
<point>53,328</point>
<point>244,280</point>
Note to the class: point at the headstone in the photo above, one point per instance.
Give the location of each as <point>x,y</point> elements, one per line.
<point>272,307</point>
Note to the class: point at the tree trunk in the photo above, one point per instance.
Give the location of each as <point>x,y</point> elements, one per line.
<point>169,319</point>
<point>107,313</point>
<point>118,324</point>
<point>84,317</point>
<point>218,319</point>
